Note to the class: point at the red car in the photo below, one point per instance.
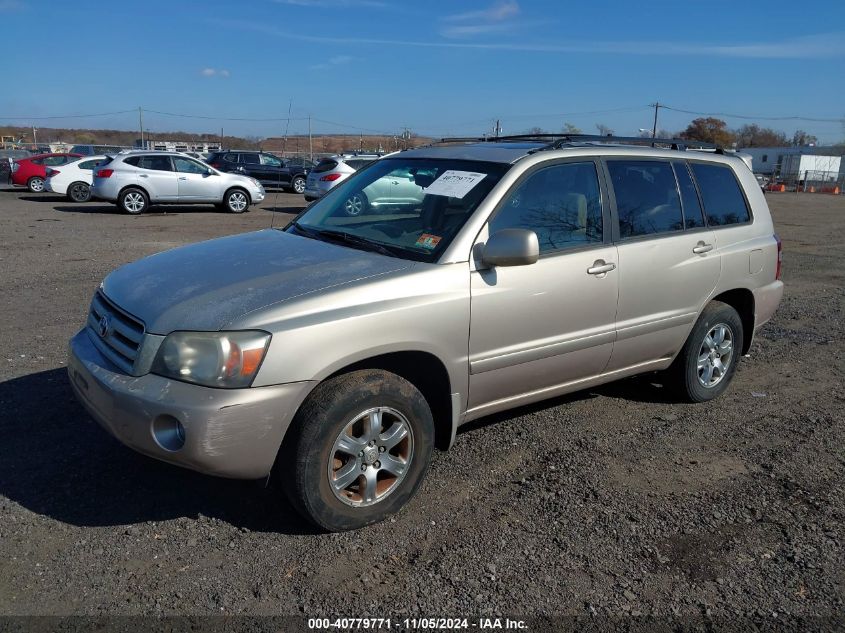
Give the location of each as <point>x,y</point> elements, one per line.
<point>30,172</point>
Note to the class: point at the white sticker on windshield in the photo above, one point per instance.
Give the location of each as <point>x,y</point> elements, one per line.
<point>454,183</point>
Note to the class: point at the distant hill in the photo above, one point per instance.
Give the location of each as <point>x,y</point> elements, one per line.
<point>322,144</point>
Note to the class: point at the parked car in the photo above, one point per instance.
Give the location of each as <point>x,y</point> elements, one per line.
<point>95,150</point>
<point>332,171</point>
<point>7,157</point>
<point>267,169</point>
<point>335,353</point>
<point>32,171</point>
<point>137,179</point>
<point>74,178</point>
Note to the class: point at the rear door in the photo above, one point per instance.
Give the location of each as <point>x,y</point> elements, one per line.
<point>668,261</point>
<point>250,165</point>
<point>157,177</point>
<point>541,327</point>
<point>273,171</point>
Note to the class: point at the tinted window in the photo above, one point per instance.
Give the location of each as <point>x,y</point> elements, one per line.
<point>561,204</point>
<point>251,159</point>
<point>188,166</point>
<point>55,160</point>
<point>693,215</point>
<point>90,164</point>
<point>230,158</point>
<point>325,165</point>
<point>158,163</point>
<point>720,192</point>
<point>646,197</point>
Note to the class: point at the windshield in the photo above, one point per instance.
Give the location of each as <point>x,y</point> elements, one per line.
<point>403,207</point>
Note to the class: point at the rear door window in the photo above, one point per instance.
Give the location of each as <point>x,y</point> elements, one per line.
<point>250,159</point>
<point>156,163</point>
<point>724,203</point>
<point>647,200</point>
<point>91,164</point>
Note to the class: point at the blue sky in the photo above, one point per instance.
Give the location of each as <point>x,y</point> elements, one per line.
<point>437,67</point>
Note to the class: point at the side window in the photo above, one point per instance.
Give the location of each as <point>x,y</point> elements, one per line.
<point>90,164</point>
<point>230,158</point>
<point>723,200</point>
<point>54,160</point>
<point>693,214</point>
<point>132,160</point>
<point>37,161</point>
<point>188,166</point>
<point>272,161</point>
<point>646,197</point>
<point>561,204</point>
<point>250,159</point>
<point>157,163</point>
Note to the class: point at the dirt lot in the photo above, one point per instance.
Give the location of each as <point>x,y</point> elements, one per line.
<point>611,502</point>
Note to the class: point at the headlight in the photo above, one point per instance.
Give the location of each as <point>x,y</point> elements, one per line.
<point>215,359</point>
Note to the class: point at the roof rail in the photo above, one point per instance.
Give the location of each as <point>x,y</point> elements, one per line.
<point>556,141</point>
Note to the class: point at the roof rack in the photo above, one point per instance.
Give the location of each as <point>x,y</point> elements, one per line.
<point>555,141</point>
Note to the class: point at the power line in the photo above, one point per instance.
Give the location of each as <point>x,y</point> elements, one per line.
<point>754,117</point>
<point>63,116</point>
<point>223,118</point>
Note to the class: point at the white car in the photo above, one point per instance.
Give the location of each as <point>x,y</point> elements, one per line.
<point>74,179</point>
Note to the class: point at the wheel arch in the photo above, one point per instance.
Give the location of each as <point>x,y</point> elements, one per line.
<point>427,373</point>
<point>741,300</point>
<point>133,186</point>
<point>239,188</point>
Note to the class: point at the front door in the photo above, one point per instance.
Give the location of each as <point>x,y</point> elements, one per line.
<point>194,182</point>
<point>536,328</point>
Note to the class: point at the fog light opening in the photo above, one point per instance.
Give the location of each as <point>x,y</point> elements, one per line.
<point>168,433</point>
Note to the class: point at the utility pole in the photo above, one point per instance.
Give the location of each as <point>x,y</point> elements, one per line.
<point>656,105</point>
<point>141,125</point>
<point>221,138</point>
<point>35,137</point>
<point>310,142</point>
<point>497,129</point>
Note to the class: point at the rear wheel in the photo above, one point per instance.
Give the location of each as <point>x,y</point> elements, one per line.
<point>79,192</point>
<point>133,201</point>
<point>35,184</point>
<point>236,201</point>
<point>359,448</point>
<point>708,361</point>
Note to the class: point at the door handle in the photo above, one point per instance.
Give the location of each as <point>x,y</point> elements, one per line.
<point>143,175</point>
<point>701,247</point>
<point>183,177</point>
<point>600,267</point>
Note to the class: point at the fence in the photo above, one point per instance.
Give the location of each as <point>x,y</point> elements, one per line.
<point>808,181</point>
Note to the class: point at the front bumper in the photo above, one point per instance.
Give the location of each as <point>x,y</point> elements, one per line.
<point>227,432</point>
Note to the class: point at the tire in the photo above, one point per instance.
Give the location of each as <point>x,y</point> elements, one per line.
<point>298,185</point>
<point>133,201</point>
<point>356,205</point>
<point>35,184</point>
<point>315,451</point>
<point>79,192</point>
<point>236,201</point>
<point>707,363</point>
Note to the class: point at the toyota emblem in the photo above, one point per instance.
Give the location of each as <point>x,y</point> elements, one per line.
<point>104,326</point>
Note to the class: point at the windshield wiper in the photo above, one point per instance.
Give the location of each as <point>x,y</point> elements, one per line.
<point>348,238</point>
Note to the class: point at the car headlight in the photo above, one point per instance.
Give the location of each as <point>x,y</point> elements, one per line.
<point>215,359</point>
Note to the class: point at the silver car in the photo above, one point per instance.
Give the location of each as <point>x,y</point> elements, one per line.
<point>332,171</point>
<point>338,352</point>
<point>134,180</point>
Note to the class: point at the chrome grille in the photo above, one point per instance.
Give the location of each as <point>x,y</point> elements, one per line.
<point>120,341</point>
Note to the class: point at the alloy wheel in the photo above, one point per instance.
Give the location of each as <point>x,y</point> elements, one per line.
<point>79,192</point>
<point>36,185</point>
<point>715,355</point>
<point>237,201</point>
<point>371,456</point>
<point>298,185</point>
<point>134,202</point>
<point>354,205</point>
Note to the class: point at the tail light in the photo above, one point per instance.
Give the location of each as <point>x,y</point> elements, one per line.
<point>215,165</point>
<point>104,173</point>
<point>330,177</point>
<point>52,172</point>
<point>779,268</point>
<point>15,166</point>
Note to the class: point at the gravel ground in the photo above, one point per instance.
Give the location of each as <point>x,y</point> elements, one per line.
<point>613,502</point>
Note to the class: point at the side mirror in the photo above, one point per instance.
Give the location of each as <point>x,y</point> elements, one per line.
<point>209,172</point>
<point>511,247</point>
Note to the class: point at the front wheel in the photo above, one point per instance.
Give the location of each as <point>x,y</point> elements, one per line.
<point>298,184</point>
<point>360,447</point>
<point>79,192</point>
<point>236,201</point>
<point>356,204</point>
<point>708,361</point>
<point>35,184</point>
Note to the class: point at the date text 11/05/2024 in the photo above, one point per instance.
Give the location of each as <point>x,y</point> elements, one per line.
<point>410,624</point>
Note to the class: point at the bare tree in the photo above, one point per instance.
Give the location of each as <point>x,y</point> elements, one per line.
<point>535,130</point>
<point>604,130</point>
<point>568,128</point>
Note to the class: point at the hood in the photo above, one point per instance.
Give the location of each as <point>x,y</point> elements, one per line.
<point>206,286</point>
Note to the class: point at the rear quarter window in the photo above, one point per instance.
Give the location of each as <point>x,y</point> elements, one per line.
<point>724,203</point>
<point>325,165</point>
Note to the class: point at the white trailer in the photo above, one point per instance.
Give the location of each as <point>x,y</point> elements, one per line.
<point>808,167</point>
